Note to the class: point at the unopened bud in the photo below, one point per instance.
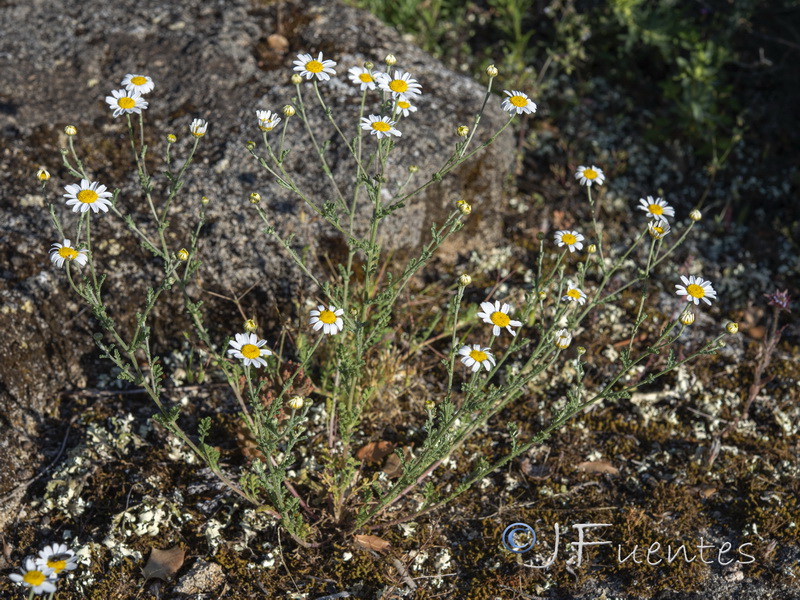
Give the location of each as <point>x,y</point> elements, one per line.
<point>296,402</point>
<point>204,200</point>
<point>581,350</point>
<point>255,198</point>
<point>369,65</point>
<point>542,295</point>
<point>462,131</point>
<point>687,318</point>
<point>695,215</point>
<point>592,248</point>
<point>464,207</point>
<point>430,404</point>
<point>297,79</point>
<point>172,138</point>
<point>183,254</point>
<point>71,130</point>
<point>250,326</point>
<point>464,280</point>
<point>250,145</point>
<point>390,60</point>
<point>42,174</point>
<point>413,168</point>
<point>563,339</point>
<point>491,71</point>
<point>732,328</point>
<point>288,111</point>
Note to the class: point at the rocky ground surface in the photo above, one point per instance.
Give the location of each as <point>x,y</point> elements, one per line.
<point>81,461</point>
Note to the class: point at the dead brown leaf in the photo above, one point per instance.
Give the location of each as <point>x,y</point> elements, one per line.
<point>598,466</point>
<point>375,451</point>
<point>372,542</point>
<point>163,564</point>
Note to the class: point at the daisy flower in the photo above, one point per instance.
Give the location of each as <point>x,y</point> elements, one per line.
<point>590,175</point>
<point>402,85</point>
<point>126,102</point>
<point>328,319</point>
<point>198,127</point>
<point>248,348</point>
<point>696,289</point>
<point>658,228</point>
<point>404,107</point>
<point>574,294</point>
<point>267,120</point>
<point>138,83</point>
<point>570,239</point>
<point>60,253</point>
<point>496,315</point>
<point>656,209</point>
<point>57,557</point>
<point>563,339</point>
<point>89,194</point>
<point>476,357</point>
<point>39,579</point>
<point>380,126</point>
<point>518,103</point>
<point>309,67</point>
<point>362,77</point>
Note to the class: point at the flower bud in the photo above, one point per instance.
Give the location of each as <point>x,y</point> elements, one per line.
<point>369,65</point>
<point>42,174</point>
<point>250,326</point>
<point>464,280</point>
<point>204,201</point>
<point>687,317</point>
<point>296,402</point>
<point>250,145</point>
<point>430,404</point>
<point>462,131</point>
<point>183,254</point>
<point>288,111</point>
<point>592,248</point>
<point>172,138</point>
<point>390,60</point>
<point>491,71</point>
<point>732,328</point>
<point>581,350</point>
<point>542,295</point>
<point>255,198</point>
<point>695,215</point>
<point>413,168</point>
<point>297,79</point>
<point>71,130</point>
<point>563,339</point>
<point>464,207</point>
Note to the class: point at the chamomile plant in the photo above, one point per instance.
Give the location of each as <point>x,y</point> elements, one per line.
<point>359,303</point>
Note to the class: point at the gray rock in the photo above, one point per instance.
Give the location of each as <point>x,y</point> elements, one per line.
<point>212,60</point>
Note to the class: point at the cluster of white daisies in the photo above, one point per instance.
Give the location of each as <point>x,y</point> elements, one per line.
<point>399,85</point>
<point>40,573</point>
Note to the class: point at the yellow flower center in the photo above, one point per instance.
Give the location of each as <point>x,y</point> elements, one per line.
<point>365,77</point>
<point>568,239</point>
<point>658,229</point>
<point>138,80</point>
<point>57,565</point>
<point>574,293</point>
<point>656,209</point>
<point>518,101</point>
<point>590,173</point>
<point>34,578</point>
<point>266,126</point>
<point>477,355</point>
<point>695,291</point>
<point>381,126</point>
<point>398,85</point>
<point>403,104</point>
<point>327,316</point>
<point>87,196</point>
<point>126,102</point>
<point>251,351</point>
<point>314,66</point>
<point>67,253</point>
<point>500,319</point>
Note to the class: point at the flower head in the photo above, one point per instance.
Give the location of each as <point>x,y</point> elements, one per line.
<point>780,300</point>
<point>267,120</point>
<point>518,103</point>
<point>401,85</point>
<point>248,348</point>
<point>296,402</point>
<point>362,78</point>
<point>497,315</point>
<point>61,253</point>
<point>380,126</point>
<point>695,215</point>
<point>658,228</point>
<point>589,175</point>
<point>574,294</point>
<point>171,138</point>
<point>288,111</point>
<point>562,339</point>
<point>328,319</point>
<point>71,130</point>
<point>126,102</point>
<point>687,317</point>
<point>42,174</point>
<point>87,195</point>
<point>476,357</point>
<point>571,239</point>
<point>696,289</point>
<point>404,107</point>
<point>57,557</point>
<point>310,67</point>
<point>492,71</point>
<point>464,280</point>
<point>198,127</point>
<point>464,207</point>
<point>138,83</point>
<point>732,327</point>
<point>656,208</point>
<point>250,325</point>
<point>183,254</point>
<point>41,580</point>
